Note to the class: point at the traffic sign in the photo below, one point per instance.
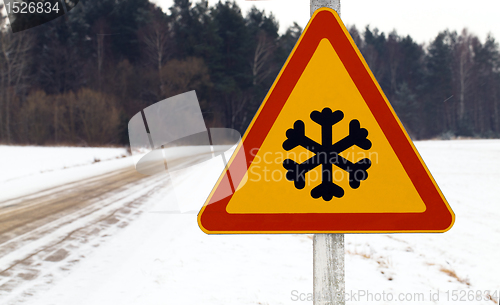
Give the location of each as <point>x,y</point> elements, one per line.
<point>326,153</point>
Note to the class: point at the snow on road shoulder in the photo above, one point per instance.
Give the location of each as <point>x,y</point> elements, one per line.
<point>29,169</point>
<point>20,161</point>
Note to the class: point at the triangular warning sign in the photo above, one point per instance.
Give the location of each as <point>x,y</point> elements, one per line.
<point>326,153</point>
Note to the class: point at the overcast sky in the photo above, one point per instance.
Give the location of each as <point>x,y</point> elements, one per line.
<point>421,19</point>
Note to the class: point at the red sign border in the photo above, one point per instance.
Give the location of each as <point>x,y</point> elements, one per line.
<point>438,216</point>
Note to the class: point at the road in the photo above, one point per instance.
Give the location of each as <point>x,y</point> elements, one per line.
<point>58,227</point>
<point>54,228</point>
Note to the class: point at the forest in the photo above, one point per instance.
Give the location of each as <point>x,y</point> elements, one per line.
<point>78,79</point>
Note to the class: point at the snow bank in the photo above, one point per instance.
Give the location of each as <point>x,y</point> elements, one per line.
<point>29,169</point>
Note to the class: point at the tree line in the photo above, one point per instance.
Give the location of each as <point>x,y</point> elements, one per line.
<point>446,89</point>
<point>79,79</point>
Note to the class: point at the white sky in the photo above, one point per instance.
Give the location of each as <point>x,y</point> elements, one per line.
<point>421,19</point>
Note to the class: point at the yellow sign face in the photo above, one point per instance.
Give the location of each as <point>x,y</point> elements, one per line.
<point>326,152</point>
<point>325,82</point>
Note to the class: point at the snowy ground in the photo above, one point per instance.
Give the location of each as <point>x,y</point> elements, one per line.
<point>27,169</point>
<point>164,258</point>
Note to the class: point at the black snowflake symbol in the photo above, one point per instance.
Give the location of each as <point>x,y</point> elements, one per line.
<point>327,154</point>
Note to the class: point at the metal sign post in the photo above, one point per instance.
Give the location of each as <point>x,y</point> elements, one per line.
<point>328,269</point>
<point>328,249</point>
<point>333,4</point>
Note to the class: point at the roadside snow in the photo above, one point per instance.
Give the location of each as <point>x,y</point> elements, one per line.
<point>29,169</point>
<point>164,258</point>
<point>21,161</point>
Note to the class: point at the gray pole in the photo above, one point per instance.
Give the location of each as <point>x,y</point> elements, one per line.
<point>328,249</point>
<point>333,4</point>
<point>328,269</point>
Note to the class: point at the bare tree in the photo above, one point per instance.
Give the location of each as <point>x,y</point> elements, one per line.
<point>394,53</point>
<point>97,116</point>
<point>464,64</point>
<point>157,41</point>
<point>101,30</point>
<point>35,119</point>
<point>261,67</point>
<point>14,53</point>
<point>183,75</point>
